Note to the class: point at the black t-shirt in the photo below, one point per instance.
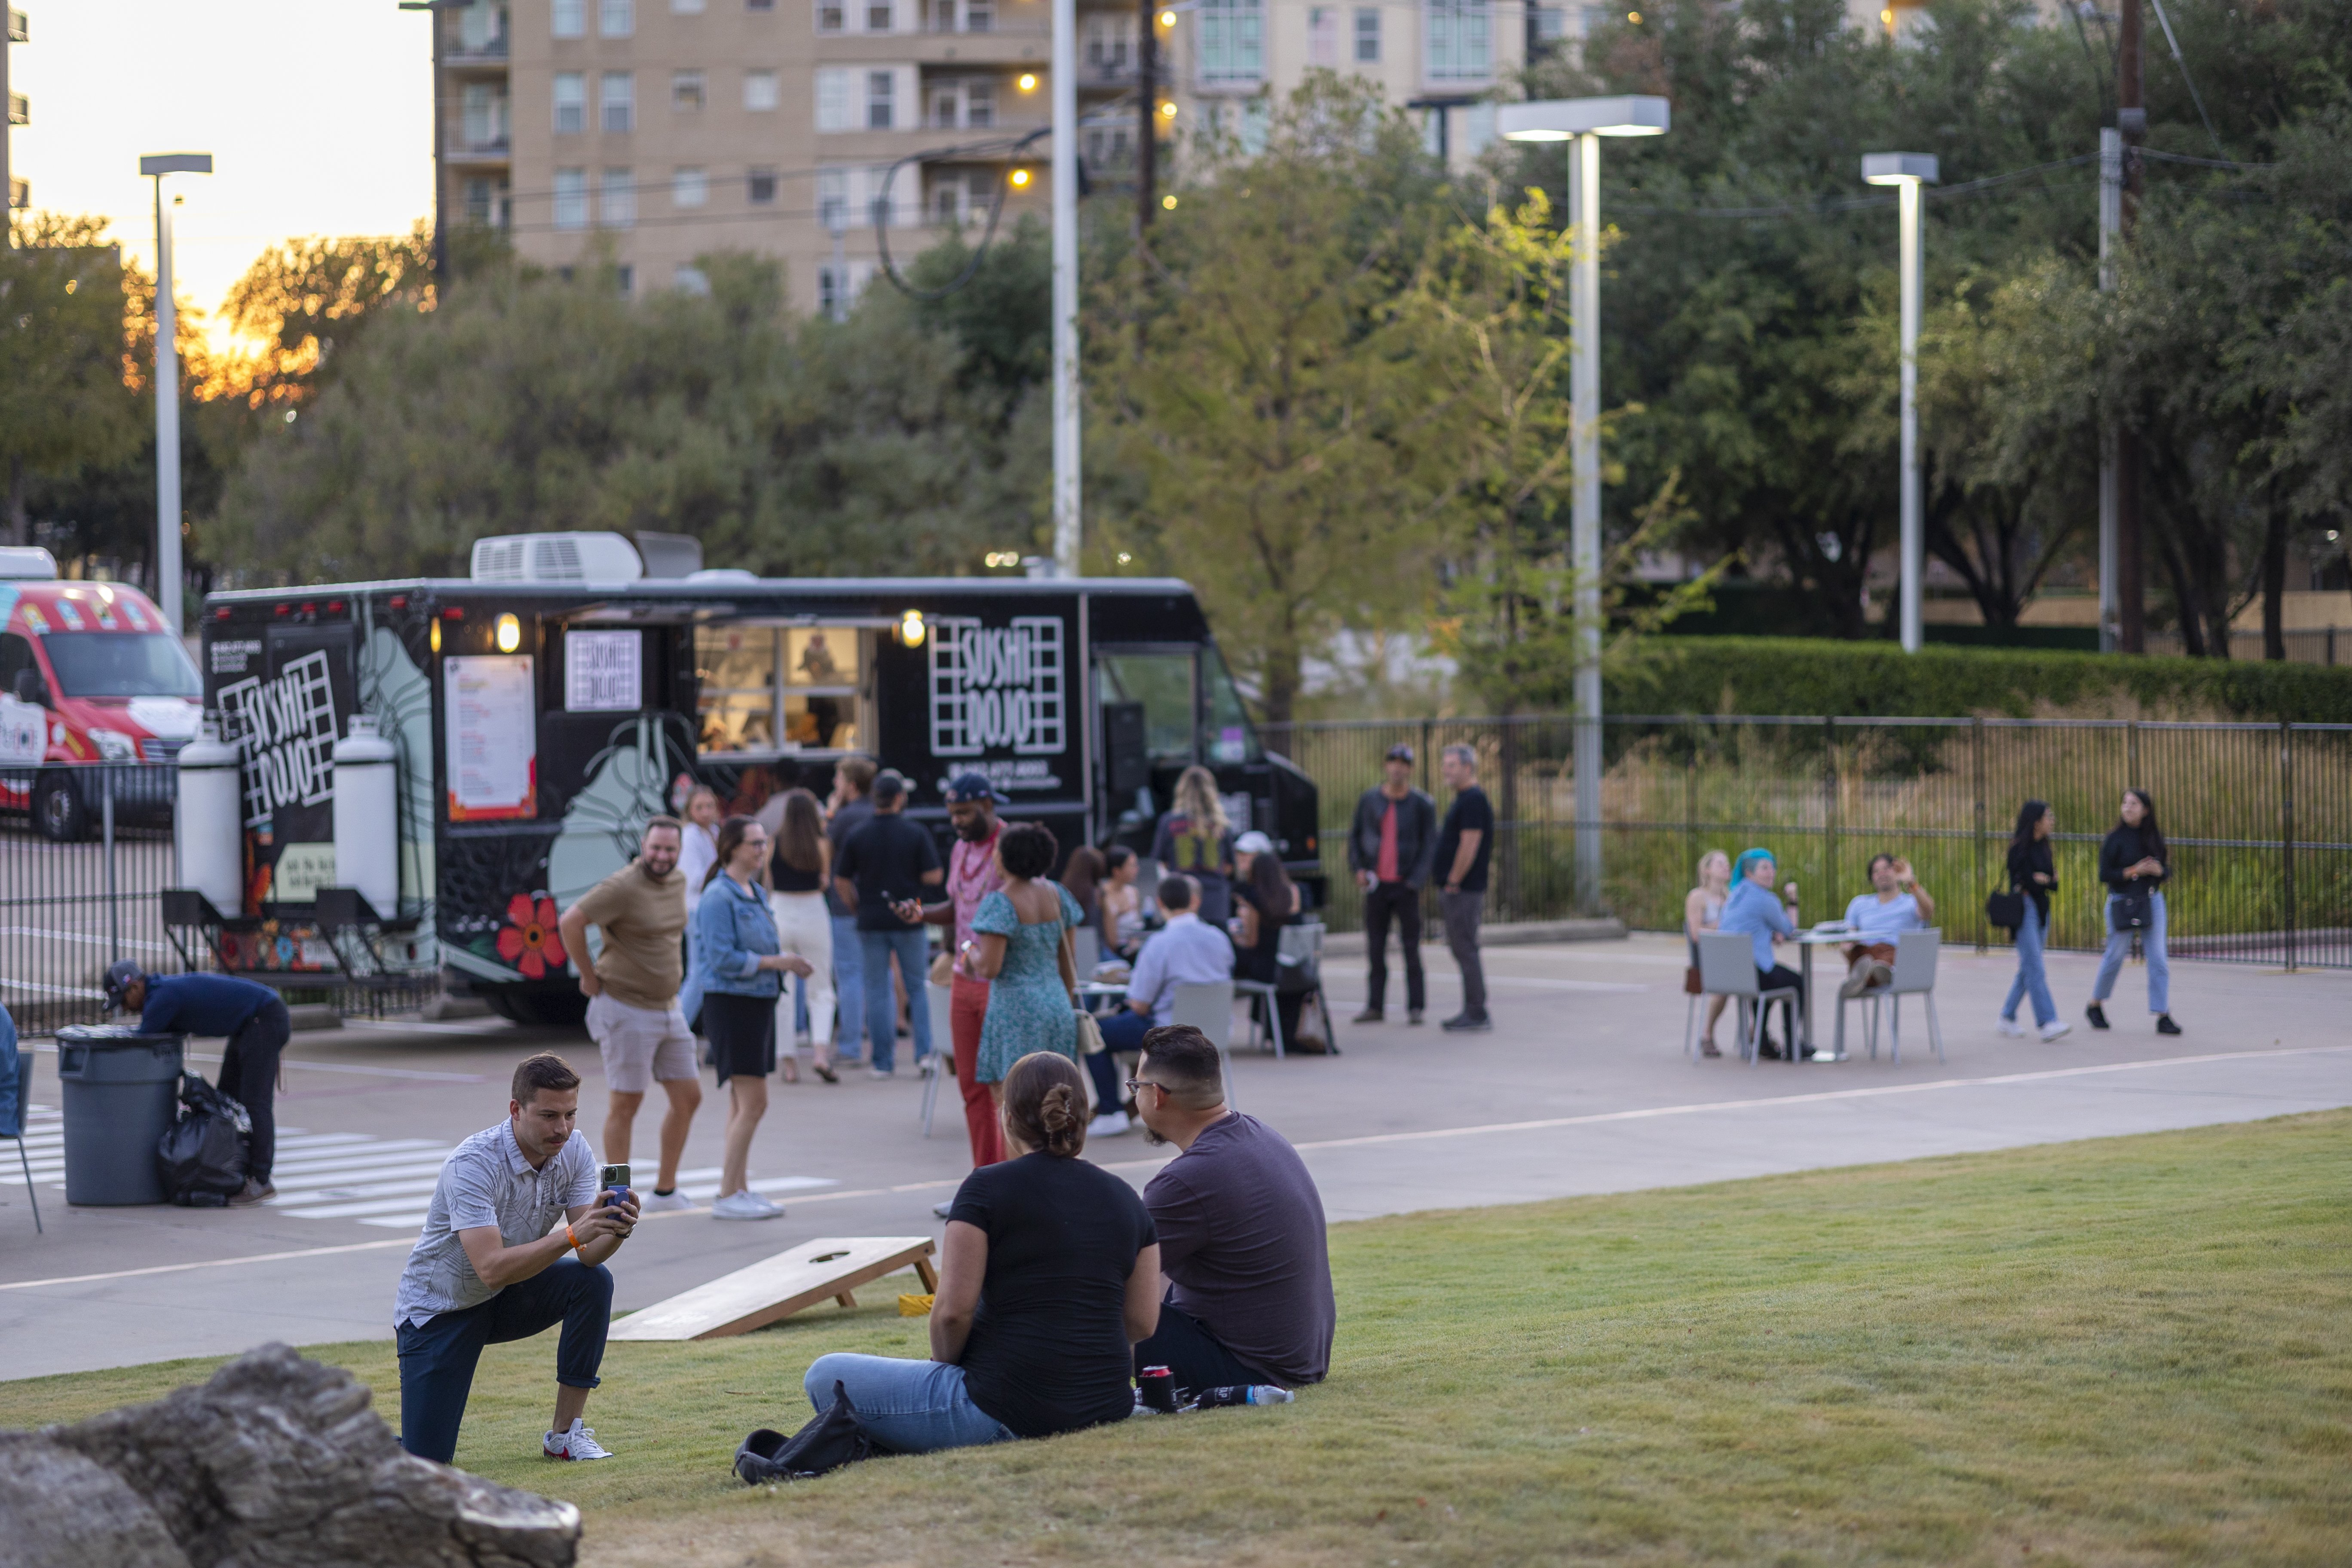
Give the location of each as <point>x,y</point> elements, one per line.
<point>885,859</point>
<point>1471,811</point>
<point>1048,1350</point>
<point>845,821</point>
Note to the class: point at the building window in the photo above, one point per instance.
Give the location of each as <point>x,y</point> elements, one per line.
<point>1232,41</point>
<point>759,5</point>
<point>572,198</point>
<point>692,280</point>
<point>1322,36</point>
<point>686,7</point>
<point>482,29</point>
<point>617,18</point>
<point>760,187</point>
<point>485,202</point>
<point>624,280</point>
<point>832,199</point>
<point>1461,44</point>
<point>760,94</point>
<point>832,99</point>
<point>571,103</point>
<point>618,92</point>
<point>1547,25</point>
<point>689,186</point>
<point>484,121</point>
<point>979,16</point>
<point>831,18</point>
<point>1368,34</point>
<point>880,17</point>
<point>881,99</point>
<point>571,18</point>
<point>687,92</point>
<point>947,202</point>
<point>980,104</point>
<point>616,199</point>
<point>1106,45</point>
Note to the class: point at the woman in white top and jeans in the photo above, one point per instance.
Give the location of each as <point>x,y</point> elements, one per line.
<point>1701,911</point>
<point>698,844</point>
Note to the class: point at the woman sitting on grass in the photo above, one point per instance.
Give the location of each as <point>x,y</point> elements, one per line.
<point>1050,1276</point>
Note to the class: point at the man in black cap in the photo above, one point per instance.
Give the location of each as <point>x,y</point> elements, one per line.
<point>1390,849</point>
<point>250,1016</point>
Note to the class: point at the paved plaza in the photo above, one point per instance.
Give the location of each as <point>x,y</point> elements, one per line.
<point>1581,1087</point>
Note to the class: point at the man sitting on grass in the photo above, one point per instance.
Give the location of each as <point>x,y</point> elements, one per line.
<point>492,1265</point>
<point>1241,1231</point>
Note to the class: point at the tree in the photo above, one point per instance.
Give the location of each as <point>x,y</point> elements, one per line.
<point>1247,376</point>
<point>306,299</point>
<point>65,405</point>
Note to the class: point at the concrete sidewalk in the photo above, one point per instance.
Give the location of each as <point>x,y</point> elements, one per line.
<point>1582,1088</point>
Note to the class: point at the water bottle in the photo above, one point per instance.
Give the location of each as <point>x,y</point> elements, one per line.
<point>1243,1393</point>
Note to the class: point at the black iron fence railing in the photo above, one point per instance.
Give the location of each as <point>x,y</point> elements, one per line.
<point>2259,816</point>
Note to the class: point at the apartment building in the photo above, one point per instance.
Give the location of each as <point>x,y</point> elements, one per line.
<point>14,30</point>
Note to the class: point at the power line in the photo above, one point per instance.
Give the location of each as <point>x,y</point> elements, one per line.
<point>2194,96</point>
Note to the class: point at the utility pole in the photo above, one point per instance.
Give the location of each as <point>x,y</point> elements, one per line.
<point>1584,523</point>
<point>2111,219</point>
<point>2131,573</point>
<point>1147,113</point>
<point>167,386</point>
<point>1065,288</point>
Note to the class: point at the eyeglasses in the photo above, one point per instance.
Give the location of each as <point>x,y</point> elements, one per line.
<point>1135,1083</point>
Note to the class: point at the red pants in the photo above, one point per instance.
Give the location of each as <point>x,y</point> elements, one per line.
<point>967,1011</point>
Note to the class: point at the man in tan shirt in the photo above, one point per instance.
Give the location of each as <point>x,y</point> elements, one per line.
<point>632,989</point>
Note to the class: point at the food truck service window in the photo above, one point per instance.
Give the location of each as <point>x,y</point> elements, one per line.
<point>767,690</point>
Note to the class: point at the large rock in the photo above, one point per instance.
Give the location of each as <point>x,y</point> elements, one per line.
<point>278,1462</point>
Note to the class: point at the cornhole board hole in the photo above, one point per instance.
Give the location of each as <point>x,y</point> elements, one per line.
<point>829,1268</point>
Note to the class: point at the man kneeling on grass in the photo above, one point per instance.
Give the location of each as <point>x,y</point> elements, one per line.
<point>493,1265</point>
<point>1241,1231</point>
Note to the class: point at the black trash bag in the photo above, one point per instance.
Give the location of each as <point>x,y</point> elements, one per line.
<point>829,1441</point>
<point>202,1156</point>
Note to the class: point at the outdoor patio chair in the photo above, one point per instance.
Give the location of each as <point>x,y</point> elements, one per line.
<point>1208,1007</point>
<point>1726,967</point>
<point>942,1000</point>
<point>24,1114</point>
<point>1915,975</point>
<point>1085,951</point>
<point>1299,967</point>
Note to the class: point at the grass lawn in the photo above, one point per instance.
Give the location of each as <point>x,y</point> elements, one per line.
<point>2133,1350</point>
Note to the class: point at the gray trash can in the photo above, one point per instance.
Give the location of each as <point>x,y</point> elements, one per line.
<point>121,1090</point>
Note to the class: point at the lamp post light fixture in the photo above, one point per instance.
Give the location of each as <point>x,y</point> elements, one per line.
<point>1907,172</point>
<point>167,385</point>
<point>1584,121</point>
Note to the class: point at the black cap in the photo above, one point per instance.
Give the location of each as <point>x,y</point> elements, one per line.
<point>889,784</point>
<point>1400,752</point>
<point>120,976</point>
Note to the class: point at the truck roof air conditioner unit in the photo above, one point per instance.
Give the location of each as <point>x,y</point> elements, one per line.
<point>556,558</point>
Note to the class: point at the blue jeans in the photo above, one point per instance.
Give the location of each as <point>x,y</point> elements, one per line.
<point>438,1357</point>
<point>914,953</point>
<point>913,1406</point>
<point>849,988</point>
<point>2032,979</point>
<point>2151,943</point>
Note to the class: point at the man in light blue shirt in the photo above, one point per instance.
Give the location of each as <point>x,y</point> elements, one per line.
<point>1187,952</point>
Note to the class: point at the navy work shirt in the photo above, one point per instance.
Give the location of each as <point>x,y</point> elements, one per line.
<point>201,1003</point>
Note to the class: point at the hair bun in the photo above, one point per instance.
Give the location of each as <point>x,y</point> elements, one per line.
<point>1054,1110</point>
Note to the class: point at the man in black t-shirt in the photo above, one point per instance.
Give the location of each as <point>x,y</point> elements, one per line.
<point>1464,844</point>
<point>879,877</point>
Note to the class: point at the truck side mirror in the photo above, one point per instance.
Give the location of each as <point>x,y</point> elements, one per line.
<point>31,688</point>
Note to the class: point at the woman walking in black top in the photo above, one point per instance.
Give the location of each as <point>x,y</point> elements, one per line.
<point>1049,1279</point>
<point>2133,863</point>
<point>2033,872</point>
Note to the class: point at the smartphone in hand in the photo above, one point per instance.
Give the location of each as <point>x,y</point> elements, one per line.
<point>615,1181</point>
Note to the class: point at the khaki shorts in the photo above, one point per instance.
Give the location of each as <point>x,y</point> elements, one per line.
<point>640,1044</point>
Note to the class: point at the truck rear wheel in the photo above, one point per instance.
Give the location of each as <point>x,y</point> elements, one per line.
<point>59,811</point>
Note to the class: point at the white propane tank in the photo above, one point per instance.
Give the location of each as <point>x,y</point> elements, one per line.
<point>208,820</point>
<point>367,817</point>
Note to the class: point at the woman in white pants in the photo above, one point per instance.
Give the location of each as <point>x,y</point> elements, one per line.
<point>797,874</point>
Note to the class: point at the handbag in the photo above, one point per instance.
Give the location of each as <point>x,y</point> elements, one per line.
<point>2005,910</point>
<point>1090,1036</point>
<point>1692,985</point>
<point>830,1440</point>
<point>2132,908</point>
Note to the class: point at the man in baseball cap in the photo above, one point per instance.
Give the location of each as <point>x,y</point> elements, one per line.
<point>972,875</point>
<point>250,1016</point>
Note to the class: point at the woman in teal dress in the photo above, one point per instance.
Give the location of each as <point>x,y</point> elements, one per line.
<point>1020,940</point>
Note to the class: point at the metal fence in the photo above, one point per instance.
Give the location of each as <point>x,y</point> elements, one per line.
<point>2258,817</point>
<point>2317,645</point>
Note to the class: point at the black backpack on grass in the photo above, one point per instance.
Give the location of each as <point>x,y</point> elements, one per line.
<point>829,1441</point>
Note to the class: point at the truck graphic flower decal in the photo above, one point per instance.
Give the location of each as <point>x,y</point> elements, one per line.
<point>529,940</point>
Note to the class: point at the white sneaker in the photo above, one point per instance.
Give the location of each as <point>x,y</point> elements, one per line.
<point>943,1210</point>
<point>2053,1030</point>
<point>580,1443</point>
<point>929,1065</point>
<point>2010,1027</point>
<point>765,1202</point>
<point>744,1206</point>
<point>1109,1124</point>
<point>881,1075</point>
<point>664,1203</point>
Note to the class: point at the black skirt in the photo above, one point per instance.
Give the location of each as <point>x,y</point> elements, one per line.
<point>742,1034</point>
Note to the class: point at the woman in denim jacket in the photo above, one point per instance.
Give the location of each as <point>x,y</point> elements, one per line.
<point>738,958</point>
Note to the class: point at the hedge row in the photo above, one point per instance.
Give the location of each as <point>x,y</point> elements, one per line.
<point>1809,676</point>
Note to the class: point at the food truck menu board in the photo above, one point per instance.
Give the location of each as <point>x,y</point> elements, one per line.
<point>489,701</point>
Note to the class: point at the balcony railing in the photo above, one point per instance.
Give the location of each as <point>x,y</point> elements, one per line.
<point>19,30</point>
<point>488,52</point>
<point>20,110</point>
<point>480,150</point>
<point>20,194</point>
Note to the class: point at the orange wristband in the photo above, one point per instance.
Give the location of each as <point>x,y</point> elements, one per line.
<point>568,1236</point>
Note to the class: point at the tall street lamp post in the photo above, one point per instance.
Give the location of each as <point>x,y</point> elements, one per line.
<point>1907,172</point>
<point>1065,288</point>
<point>167,385</point>
<point>1584,121</point>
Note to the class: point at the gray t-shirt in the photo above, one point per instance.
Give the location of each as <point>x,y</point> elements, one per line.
<point>1241,1240</point>
<point>486,1181</point>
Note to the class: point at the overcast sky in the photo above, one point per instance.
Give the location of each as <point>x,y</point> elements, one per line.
<point>317,114</point>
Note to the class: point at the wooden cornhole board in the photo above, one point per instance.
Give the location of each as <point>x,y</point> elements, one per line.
<point>830,1267</point>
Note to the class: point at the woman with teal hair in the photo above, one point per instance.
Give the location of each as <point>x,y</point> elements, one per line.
<point>1756,911</point>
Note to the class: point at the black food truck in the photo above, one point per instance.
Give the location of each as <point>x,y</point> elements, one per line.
<point>539,711</point>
